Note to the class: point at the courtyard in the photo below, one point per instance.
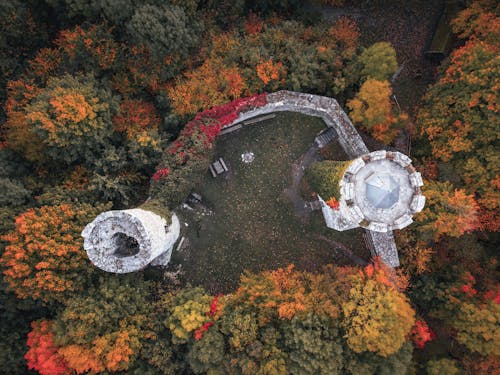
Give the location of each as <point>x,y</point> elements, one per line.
<point>248,217</point>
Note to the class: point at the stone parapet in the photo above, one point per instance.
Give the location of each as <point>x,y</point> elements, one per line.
<point>313,105</point>
<point>334,219</point>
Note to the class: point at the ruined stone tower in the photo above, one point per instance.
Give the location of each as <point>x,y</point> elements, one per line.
<point>128,240</point>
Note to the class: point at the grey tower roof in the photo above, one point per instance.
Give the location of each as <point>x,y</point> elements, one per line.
<point>382,190</point>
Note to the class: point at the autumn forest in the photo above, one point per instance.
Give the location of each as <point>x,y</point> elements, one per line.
<point>105,103</point>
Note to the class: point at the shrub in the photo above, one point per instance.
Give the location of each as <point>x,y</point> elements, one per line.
<point>325,177</point>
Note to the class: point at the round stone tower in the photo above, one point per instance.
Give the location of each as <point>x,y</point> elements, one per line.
<point>379,191</point>
<point>128,240</point>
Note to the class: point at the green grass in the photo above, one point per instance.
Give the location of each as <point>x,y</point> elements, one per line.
<point>253,225</point>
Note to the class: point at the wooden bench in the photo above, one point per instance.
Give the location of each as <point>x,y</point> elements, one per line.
<point>254,120</point>
<point>218,167</point>
<point>230,129</point>
<point>442,38</point>
<point>259,119</point>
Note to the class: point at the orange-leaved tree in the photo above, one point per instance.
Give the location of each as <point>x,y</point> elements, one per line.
<point>44,257</point>
<point>448,211</point>
<point>81,49</point>
<point>104,330</point>
<point>111,352</point>
<point>478,21</point>
<point>284,294</point>
<point>345,33</point>
<point>72,117</point>
<point>372,105</point>
<point>211,84</point>
<point>271,74</point>
<point>138,119</point>
<point>372,108</point>
<point>459,117</point>
<point>415,253</point>
<point>92,45</point>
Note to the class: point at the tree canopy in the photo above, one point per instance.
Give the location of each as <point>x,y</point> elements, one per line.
<point>379,61</point>
<point>44,257</point>
<point>101,103</point>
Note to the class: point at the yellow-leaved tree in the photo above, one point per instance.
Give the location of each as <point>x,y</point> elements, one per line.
<point>372,109</point>
<point>377,316</point>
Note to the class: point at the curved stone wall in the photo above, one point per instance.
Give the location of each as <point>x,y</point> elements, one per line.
<point>128,240</point>
<point>143,229</point>
<point>381,243</point>
<point>328,109</point>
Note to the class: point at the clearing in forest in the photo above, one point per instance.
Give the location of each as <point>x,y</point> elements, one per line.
<point>246,221</point>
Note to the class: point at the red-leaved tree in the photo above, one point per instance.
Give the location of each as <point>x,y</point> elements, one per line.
<point>42,355</point>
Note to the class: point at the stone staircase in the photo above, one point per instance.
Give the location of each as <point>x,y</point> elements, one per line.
<point>325,137</point>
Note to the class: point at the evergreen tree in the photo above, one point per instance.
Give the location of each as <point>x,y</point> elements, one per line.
<point>165,29</point>
<point>324,178</point>
<point>314,346</point>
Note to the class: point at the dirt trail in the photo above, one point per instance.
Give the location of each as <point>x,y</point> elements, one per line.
<point>302,208</point>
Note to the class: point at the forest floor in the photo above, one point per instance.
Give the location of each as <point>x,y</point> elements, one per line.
<point>408,26</point>
<point>247,221</point>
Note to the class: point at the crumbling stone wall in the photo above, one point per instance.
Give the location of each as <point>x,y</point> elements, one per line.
<point>154,240</point>
<point>331,113</point>
<point>328,109</point>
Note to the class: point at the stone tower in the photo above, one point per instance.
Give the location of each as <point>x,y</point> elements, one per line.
<point>128,240</point>
<point>378,191</point>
